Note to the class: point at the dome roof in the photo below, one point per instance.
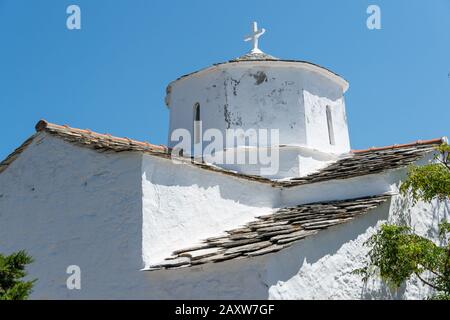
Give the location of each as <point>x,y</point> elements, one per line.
<point>263,58</point>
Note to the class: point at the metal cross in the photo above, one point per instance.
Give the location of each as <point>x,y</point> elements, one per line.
<point>254,37</point>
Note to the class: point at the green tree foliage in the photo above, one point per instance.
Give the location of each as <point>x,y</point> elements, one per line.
<point>12,270</point>
<point>430,181</point>
<point>397,253</point>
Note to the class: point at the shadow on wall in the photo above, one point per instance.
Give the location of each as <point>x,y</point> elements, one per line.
<point>422,217</point>
<point>401,211</point>
<point>327,243</point>
<point>187,178</point>
<point>252,278</point>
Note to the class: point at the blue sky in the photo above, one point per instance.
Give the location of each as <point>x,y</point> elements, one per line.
<point>111,75</point>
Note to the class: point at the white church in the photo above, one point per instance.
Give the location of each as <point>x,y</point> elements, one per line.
<point>144,221</point>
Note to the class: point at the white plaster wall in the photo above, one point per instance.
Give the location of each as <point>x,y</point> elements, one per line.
<point>113,214</point>
<point>273,162</point>
<point>352,188</point>
<point>262,95</point>
<point>317,135</point>
<point>208,91</point>
<point>183,204</point>
<point>319,267</point>
<point>232,280</point>
<point>259,277</point>
<point>328,275</point>
<point>67,205</point>
<point>266,97</point>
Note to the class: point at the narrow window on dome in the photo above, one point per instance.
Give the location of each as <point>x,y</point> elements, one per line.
<point>330,126</point>
<point>197,123</point>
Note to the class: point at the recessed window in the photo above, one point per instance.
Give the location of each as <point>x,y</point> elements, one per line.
<point>197,123</point>
<point>330,126</point>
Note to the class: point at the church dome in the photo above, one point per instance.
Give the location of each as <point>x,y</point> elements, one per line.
<point>301,101</point>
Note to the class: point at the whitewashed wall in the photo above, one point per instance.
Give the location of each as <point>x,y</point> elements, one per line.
<point>317,131</point>
<point>254,95</point>
<point>112,214</point>
<point>319,267</point>
<point>273,162</point>
<point>67,205</point>
<point>183,204</point>
<point>208,92</point>
<point>328,274</point>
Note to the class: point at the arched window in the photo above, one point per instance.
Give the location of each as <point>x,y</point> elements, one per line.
<point>330,126</point>
<point>197,123</point>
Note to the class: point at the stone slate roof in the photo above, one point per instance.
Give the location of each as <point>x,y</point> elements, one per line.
<point>108,143</point>
<point>354,164</point>
<point>98,141</point>
<point>271,233</point>
<point>86,138</point>
<point>370,161</point>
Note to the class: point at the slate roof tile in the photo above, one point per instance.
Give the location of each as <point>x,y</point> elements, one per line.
<point>263,239</point>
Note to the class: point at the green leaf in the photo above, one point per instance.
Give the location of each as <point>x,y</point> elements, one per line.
<point>12,270</point>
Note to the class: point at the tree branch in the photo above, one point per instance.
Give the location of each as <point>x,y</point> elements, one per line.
<point>443,162</point>
<point>436,273</point>
<point>428,283</point>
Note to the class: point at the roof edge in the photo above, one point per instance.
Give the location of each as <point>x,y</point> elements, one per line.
<point>99,142</point>
<point>411,144</point>
<point>41,125</point>
<point>44,125</point>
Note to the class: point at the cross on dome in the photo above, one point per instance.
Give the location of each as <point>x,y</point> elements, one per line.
<point>254,37</point>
